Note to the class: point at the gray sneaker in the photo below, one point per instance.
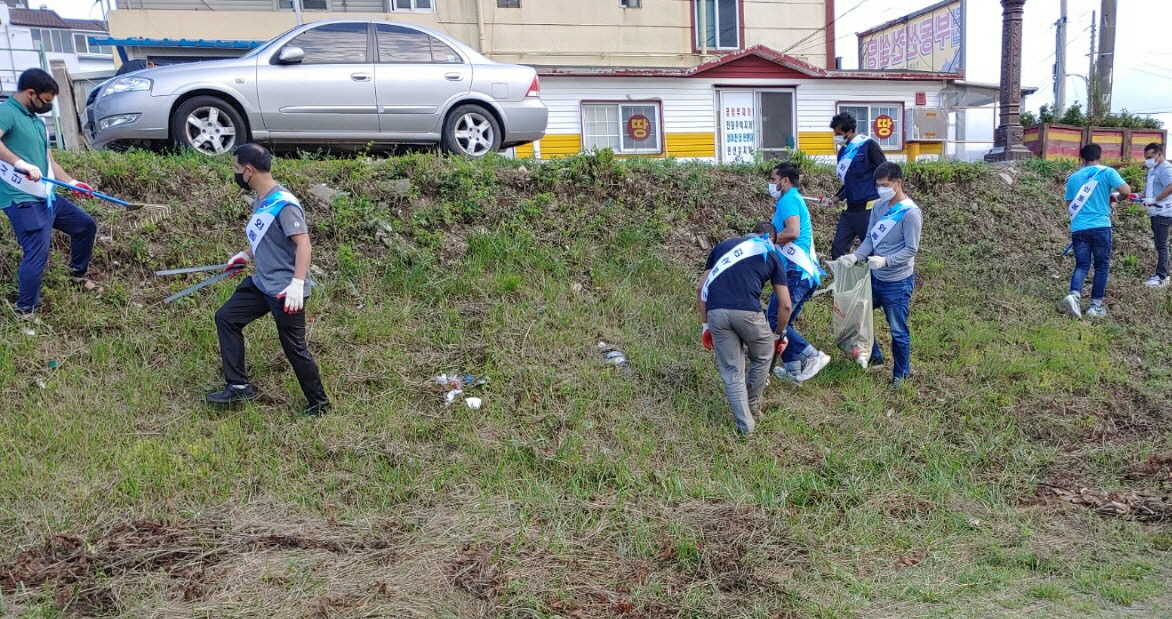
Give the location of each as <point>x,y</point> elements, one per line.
<point>1156,281</point>
<point>1071,305</point>
<point>1096,310</point>
<point>812,365</point>
<point>784,376</point>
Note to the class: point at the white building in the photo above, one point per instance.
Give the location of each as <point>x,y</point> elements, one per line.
<point>67,40</point>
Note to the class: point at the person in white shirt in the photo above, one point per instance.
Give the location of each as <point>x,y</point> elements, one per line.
<point>1158,200</point>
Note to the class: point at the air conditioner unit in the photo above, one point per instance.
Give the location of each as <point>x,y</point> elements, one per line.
<point>926,124</point>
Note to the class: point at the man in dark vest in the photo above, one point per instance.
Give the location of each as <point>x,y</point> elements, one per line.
<point>858,157</point>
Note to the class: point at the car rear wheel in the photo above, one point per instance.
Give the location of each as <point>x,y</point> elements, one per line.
<point>472,131</point>
<point>208,125</point>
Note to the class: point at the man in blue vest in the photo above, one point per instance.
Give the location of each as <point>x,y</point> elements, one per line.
<point>278,240</point>
<point>1088,192</point>
<point>858,158</point>
<point>729,299</point>
<point>890,249</point>
<point>795,240</point>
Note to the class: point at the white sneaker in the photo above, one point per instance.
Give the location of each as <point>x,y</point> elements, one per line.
<point>1096,309</point>
<point>1156,281</point>
<point>812,365</point>
<point>1070,304</point>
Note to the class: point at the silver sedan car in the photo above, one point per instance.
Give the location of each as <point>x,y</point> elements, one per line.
<point>327,83</point>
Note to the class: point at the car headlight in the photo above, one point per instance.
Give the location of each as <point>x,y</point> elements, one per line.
<point>110,122</point>
<point>127,84</point>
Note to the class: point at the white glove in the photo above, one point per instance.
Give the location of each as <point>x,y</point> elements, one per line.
<point>32,171</point>
<point>1149,201</point>
<point>294,295</point>
<point>848,259</point>
<point>877,262</point>
<point>237,262</point>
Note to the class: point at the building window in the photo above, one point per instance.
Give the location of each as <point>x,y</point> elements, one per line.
<point>417,6</point>
<point>508,4</point>
<point>625,128</point>
<point>81,43</point>
<point>722,23</point>
<point>306,5</point>
<point>631,4</point>
<point>865,115</point>
<point>58,41</point>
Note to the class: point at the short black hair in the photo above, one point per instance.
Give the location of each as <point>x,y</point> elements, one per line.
<point>254,155</point>
<point>790,171</point>
<point>1091,152</point>
<point>38,80</point>
<point>843,121</point>
<point>764,227</point>
<point>888,170</point>
<point>1155,147</point>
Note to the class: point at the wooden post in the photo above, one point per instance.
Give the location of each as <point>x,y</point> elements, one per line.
<point>70,138</point>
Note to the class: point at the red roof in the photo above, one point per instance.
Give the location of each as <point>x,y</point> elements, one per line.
<point>756,62</point>
<point>46,18</point>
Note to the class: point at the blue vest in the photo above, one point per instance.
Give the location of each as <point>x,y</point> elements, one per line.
<point>859,185</point>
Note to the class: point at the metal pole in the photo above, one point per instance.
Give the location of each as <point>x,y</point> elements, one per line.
<point>1060,64</point>
<point>1091,72</point>
<point>56,114</point>
<point>1107,54</point>
<point>297,10</point>
<point>703,5</point>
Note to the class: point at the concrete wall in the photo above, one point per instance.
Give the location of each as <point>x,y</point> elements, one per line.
<point>582,32</point>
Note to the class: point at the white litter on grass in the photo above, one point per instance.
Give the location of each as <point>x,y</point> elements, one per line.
<point>473,403</point>
<point>451,396</point>
<point>29,332</point>
<point>41,383</point>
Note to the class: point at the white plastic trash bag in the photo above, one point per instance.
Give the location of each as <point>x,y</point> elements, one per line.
<point>854,323</point>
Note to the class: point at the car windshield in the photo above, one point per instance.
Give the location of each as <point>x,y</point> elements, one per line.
<point>263,46</point>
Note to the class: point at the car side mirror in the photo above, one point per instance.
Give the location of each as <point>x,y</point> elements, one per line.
<point>290,55</point>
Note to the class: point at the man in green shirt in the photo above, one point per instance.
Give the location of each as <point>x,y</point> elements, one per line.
<point>29,203</point>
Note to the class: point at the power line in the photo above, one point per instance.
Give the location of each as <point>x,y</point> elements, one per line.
<point>823,28</point>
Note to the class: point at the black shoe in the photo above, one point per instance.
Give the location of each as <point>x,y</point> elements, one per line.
<point>314,410</point>
<point>231,394</point>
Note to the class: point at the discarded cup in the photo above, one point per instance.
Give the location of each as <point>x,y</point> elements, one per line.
<point>473,403</point>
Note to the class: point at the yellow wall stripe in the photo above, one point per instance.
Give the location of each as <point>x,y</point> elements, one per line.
<point>701,145</point>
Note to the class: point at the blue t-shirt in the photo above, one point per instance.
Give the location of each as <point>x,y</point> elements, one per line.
<point>739,286</point>
<point>1096,213</point>
<point>791,204</point>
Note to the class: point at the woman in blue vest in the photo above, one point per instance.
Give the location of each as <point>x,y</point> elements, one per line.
<point>858,157</point>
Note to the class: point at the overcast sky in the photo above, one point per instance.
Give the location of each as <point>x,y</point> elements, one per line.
<point>1143,61</point>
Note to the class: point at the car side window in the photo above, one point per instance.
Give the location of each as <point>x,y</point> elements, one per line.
<point>399,44</point>
<point>333,44</point>
<point>444,54</point>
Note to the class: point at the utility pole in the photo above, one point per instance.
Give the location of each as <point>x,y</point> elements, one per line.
<point>1060,63</point>
<point>1107,54</point>
<point>1091,72</point>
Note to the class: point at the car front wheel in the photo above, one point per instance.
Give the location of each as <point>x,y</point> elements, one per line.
<point>208,125</point>
<point>472,131</point>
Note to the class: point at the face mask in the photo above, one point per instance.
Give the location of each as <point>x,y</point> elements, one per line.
<point>774,192</point>
<point>36,106</point>
<point>886,193</point>
<point>839,140</point>
<point>240,182</point>
<point>1149,163</point>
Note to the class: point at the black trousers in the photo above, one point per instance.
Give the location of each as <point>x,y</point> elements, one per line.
<point>1160,238</point>
<point>852,226</point>
<point>246,305</point>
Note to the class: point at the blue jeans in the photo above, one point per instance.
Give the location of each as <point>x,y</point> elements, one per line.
<point>895,298</point>
<point>800,291</point>
<point>33,225</point>
<point>1091,243</point>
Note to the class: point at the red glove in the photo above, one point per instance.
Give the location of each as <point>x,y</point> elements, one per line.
<point>706,338</point>
<point>82,190</point>
<point>237,263</point>
<point>780,343</point>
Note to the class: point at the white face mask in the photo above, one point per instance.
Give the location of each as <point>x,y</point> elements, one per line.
<point>886,193</point>
<point>1150,163</point>
<point>839,140</point>
<point>774,192</point>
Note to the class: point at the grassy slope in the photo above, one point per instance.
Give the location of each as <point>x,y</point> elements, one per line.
<point>575,491</point>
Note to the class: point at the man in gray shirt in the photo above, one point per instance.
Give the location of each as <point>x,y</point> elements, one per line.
<point>278,240</point>
<point>890,249</point>
<point>1157,194</point>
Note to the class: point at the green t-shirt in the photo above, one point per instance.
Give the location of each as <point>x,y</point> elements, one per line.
<point>25,135</point>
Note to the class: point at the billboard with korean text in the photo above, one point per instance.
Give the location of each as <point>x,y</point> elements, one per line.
<point>931,39</point>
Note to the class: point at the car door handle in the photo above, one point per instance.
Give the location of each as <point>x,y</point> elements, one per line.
<point>455,77</point>
<point>360,77</point>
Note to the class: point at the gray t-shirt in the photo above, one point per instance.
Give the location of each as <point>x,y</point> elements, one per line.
<point>899,246</point>
<point>276,254</point>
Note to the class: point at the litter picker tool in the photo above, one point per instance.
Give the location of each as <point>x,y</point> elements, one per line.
<point>200,286</point>
<point>151,211</point>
